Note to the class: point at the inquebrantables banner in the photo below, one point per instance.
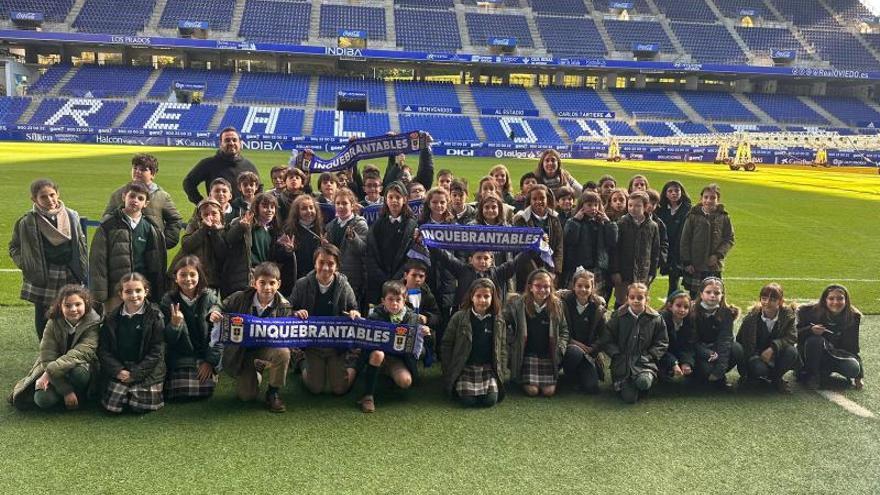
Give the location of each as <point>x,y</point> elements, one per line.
<point>337,332</point>
<point>486,238</point>
<point>362,149</point>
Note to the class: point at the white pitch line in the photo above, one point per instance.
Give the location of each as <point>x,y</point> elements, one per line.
<point>804,279</point>
<point>848,405</point>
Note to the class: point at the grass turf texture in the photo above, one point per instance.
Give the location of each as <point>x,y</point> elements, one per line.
<point>787,221</point>
<point>800,226</point>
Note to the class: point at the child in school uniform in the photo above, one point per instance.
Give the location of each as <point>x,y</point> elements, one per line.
<point>220,190</point>
<point>638,183</point>
<point>765,344</point>
<point>637,255</point>
<point>680,329</point>
<point>326,292</point>
<point>131,349</point>
<point>403,369</point>
<point>585,315</point>
<point>248,184</point>
<point>372,188</point>
<point>328,184</point>
<point>348,232</point>
<point>207,242</point>
<point>541,213</point>
<point>127,242</point>
<point>712,339</point>
<point>651,212</point>
<point>161,208</point>
<point>550,173</point>
<point>278,174</point>
<point>590,238</point>
<point>489,187</point>
<point>440,280</point>
<point>68,360</point>
<point>474,349</point>
<point>190,308</point>
<point>537,335</point>
<point>305,227</point>
<point>49,247</point>
<point>462,212</point>
<point>263,300</point>
<point>389,241</point>
<point>255,237</point>
<point>294,187</point>
<point>615,208</point>
<point>673,209</point>
<point>502,179</point>
<point>706,239</point>
<point>607,184</point>
<point>526,183</point>
<point>635,339</point>
<point>564,204</point>
<point>828,339</point>
<point>480,264</point>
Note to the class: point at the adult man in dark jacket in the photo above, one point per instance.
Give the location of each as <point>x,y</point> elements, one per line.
<point>227,163</point>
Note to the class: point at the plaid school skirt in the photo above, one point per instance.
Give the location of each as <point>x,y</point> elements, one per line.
<point>57,276</point>
<point>538,371</point>
<point>183,383</point>
<point>476,380</point>
<point>140,398</point>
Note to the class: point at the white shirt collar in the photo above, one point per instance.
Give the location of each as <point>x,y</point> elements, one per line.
<point>479,316</point>
<point>581,307</point>
<point>188,301</point>
<point>394,219</point>
<point>629,308</point>
<point>769,321</point>
<point>540,307</point>
<point>140,310</point>
<point>324,288</point>
<point>260,308</point>
<point>71,327</point>
<point>344,221</point>
<point>131,221</point>
<point>228,208</point>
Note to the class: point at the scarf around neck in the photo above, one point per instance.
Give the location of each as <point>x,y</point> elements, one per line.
<point>55,235</point>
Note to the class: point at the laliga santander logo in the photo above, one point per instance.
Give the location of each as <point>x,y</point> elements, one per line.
<point>236,329</point>
<point>400,338</point>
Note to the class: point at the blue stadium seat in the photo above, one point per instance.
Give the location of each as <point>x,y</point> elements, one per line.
<point>101,82</point>
<point>559,7</point>
<point>264,120</point>
<point>281,22</point>
<point>709,43</point>
<point>328,86</point>
<point>52,10</point>
<point>217,13</point>
<point>336,17</point>
<point>330,123</point>
<point>481,27</point>
<point>849,110</point>
<point>217,81</point>
<point>412,35</point>
<point>573,99</point>
<point>441,127</point>
<point>425,94</point>
<point>11,108</point>
<point>625,33</point>
<point>647,103</point>
<point>526,130</point>
<point>49,79</point>
<point>686,10</point>
<point>77,112</point>
<point>732,8</point>
<point>269,87</point>
<point>426,4</point>
<point>170,116</point>
<point>787,109</point>
<point>571,36</point>
<point>716,105</point>
<point>501,97</point>
<point>576,128</point>
<point>103,16</point>
<point>639,6</point>
<point>806,13</point>
<point>761,40</point>
<point>850,10</point>
<point>842,49</point>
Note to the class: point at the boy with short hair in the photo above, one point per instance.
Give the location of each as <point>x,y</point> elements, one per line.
<point>248,185</point>
<point>279,179</point>
<point>637,254</point>
<point>372,188</point>
<point>445,178</point>
<point>220,191</point>
<point>127,241</point>
<point>420,298</point>
<point>402,369</point>
<point>328,184</point>
<point>463,212</point>
<point>415,191</point>
<point>294,186</point>
<point>564,203</point>
<point>263,300</point>
<point>160,209</point>
<point>480,264</point>
<point>326,292</point>
<point>526,183</point>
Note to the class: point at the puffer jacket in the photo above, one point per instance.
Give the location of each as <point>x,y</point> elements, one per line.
<point>704,235</point>
<point>26,249</point>
<point>111,257</point>
<point>783,334</point>
<point>241,302</point>
<point>514,314</point>
<point>580,238</point>
<point>160,209</point>
<point>526,218</point>
<point>351,251</point>
<point>638,250</point>
<point>456,348</point>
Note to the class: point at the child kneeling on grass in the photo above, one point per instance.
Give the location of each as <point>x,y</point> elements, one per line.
<point>635,339</point>
<point>712,339</point>
<point>474,349</point>
<point>402,369</point>
<point>68,359</point>
<point>764,347</point>
<point>247,364</point>
<point>132,350</point>
<point>537,335</point>
<point>828,339</point>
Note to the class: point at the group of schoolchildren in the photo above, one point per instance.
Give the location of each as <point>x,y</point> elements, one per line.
<point>489,317</point>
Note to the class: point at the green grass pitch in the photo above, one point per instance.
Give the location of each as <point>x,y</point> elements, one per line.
<point>803,227</point>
